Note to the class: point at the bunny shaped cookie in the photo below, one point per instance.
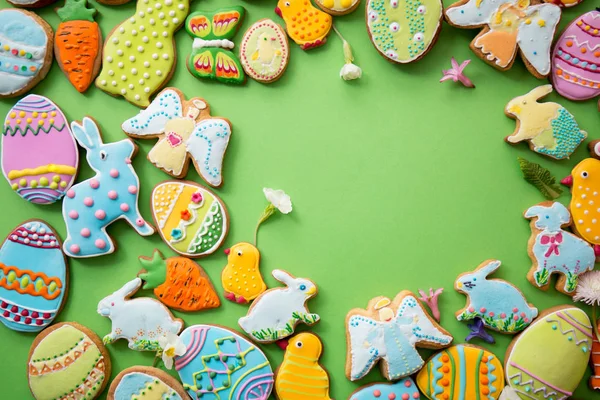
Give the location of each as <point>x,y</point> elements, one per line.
<point>141,321</point>
<point>500,305</point>
<point>275,313</point>
<point>112,194</point>
<point>548,127</point>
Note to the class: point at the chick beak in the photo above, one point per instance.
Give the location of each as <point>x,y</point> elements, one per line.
<point>568,181</point>
<point>227,251</point>
<point>311,291</point>
<point>283,344</point>
<point>278,12</point>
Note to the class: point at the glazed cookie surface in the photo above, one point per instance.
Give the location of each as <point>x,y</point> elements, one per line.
<point>264,51</point>
<point>145,383</point>
<point>242,258</point>
<point>404,389</point>
<point>305,24</point>
<point>338,7</point>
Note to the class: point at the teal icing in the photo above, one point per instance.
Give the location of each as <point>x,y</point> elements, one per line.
<point>491,377</point>
<point>566,134</point>
<point>20,27</point>
<point>437,364</point>
<point>463,371</point>
<point>133,383</point>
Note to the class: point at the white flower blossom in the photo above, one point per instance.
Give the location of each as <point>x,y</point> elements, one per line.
<point>350,71</point>
<point>279,199</point>
<point>172,346</point>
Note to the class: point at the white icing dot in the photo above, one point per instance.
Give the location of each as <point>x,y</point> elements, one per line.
<point>146,75</point>
<point>134,32</point>
<point>146,64</point>
<point>109,59</point>
<point>155,56</point>
<point>166,56</point>
<point>161,15</point>
<point>145,39</point>
<point>165,34</point>
<point>123,91</point>
<point>137,97</point>
<point>587,189</point>
<point>595,193</point>
<point>596,237</point>
<point>134,71</point>
<point>580,222</point>
<point>131,86</point>
<point>141,49</point>
<point>591,202</point>
<point>588,230</point>
<point>142,28</point>
<point>154,34</point>
<point>111,72</point>
<point>103,82</point>
<point>578,205</point>
<point>119,52</point>
<point>171,13</point>
<point>152,21</point>
<point>120,65</point>
<point>166,23</point>
<point>128,43</point>
<point>168,2</point>
<point>158,6</point>
<point>122,30</point>
<point>132,20</point>
<point>114,83</point>
<point>123,77</point>
<point>147,89</point>
<point>159,45</point>
<point>580,187</point>
<point>583,196</point>
<point>150,10</point>
<point>141,14</point>
<point>132,58</point>
<point>115,40</point>
<point>159,72</point>
<point>586,212</point>
<point>594,221</point>
<point>181,7</point>
<point>142,81</point>
<point>175,20</point>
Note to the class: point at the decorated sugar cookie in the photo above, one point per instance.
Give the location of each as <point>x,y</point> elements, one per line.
<point>500,305</point>
<point>139,54</point>
<point>403,389</point>
<point>389,331</point>
<point>186,131</point>
<point>26,42</point>
<point>78,43</point>
<point>30,3</point>
<point>112,194</point>
<point>265,52</point>
<point>143,383</point>
<point>338,7</point>
<point>548,127</point>
<point>211,56</point>
<point>67,361</point>
<point>191,219</point>
<point>576,58</point>
<point>594,381</point>
<point>33,277</point>
<point>462,372</point>
<point>404,31</point>
<point>509,26</point>
<point>178,282</point>
<point>141,321</point>
<point>275,313</point>
<point>39,154</point>
<point>242,372</point>
<point>535,363</point>
<point>305,24</point>
<point>554,250</point>
<point>300,376</point>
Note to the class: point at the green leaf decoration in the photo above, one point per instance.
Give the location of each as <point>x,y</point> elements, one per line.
<point>156,270</point>
<point>541,178</point>
<point>571,283</point>
<point>541,277</point>
<point>76,10</point>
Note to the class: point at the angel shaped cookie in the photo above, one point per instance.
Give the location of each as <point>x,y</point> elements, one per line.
<point>185,131</point>
<point>390,331</point>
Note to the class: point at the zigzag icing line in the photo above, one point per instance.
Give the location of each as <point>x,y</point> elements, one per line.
<point>531,382</point>
<point>586,42</point>
<point>569,331</point>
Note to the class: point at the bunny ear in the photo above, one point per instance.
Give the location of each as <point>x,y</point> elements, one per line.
<point>489,268</point>
<point>539,92</point>
<point>283,277</point>
<point>533,212</point>
<point>129,288</point>
<point>87,133</point>
<point>562,212</point>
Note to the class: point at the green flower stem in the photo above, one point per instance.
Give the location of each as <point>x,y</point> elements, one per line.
<point>348,57</point>
<point>267,213</point>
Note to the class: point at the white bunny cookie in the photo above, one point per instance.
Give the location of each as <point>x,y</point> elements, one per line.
<point>275,313</point>
<point>141,321</point>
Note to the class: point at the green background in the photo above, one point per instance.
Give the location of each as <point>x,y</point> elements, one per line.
<point>398,182</point>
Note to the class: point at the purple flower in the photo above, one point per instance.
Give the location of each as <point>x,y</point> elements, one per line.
<point>478,331</point>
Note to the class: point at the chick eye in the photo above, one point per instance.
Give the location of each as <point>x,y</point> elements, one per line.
<point>524,101</point>
<point>302,287</point>
<point>584,174</point>
<point>239,253</point>
<point>299,345</point>
<point>103,155</point>
<point>287,3</point>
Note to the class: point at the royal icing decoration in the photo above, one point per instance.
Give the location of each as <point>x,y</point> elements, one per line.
<point>211,55</point>
<point>462,372</point>
<point>145,383</point>
<point>178,283</point>
<point>265,52</point>
<point>500,305</point>
<point>141,321</point>
<point>554,250</point>
<point>33,277</point>
<point>305,24</point>
<point>26,44</point>
<point>191,219</point>
<point>39,154</point>
<point>576,59</point>
<point>300,376</point>
<point>112,194</point>
<point>67,362</point>
<point>338,7</point>
<point>594,381</point>
<point>508,26</point>
<point>139,55</point>
<point>275,313</point>
<point>404,31</point>
<point>548,127</point>
<point>390,332</point>
<point>537,359</point>
<point>243,259</point>
<point>404,389</point>
<point>220,363</point>
<point>185,131</point>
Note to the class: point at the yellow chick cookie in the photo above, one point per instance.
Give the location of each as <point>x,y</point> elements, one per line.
<point>241,276</point>
<point>300,375</point>
<point>305,24</point>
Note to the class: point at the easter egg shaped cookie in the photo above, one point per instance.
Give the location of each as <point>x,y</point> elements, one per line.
<point>338,7</point>
<point>265,52</point>
<point>145,383</point>
<point>39,154</point>
<point>33,277</point>
<point>403,389</point>
<point>559,340</point>
<point>68,361</point>
<point>404,31</point>
<point>191,219</point>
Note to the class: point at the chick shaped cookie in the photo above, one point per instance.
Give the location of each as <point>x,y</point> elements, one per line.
<point>305,24</point>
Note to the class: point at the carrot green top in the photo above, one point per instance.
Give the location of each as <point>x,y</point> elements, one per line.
<point>156,270</point>
<point>76,10</point>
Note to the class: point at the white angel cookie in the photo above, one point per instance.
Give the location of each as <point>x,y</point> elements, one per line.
<point>390,331</point>
<point>185,131</point>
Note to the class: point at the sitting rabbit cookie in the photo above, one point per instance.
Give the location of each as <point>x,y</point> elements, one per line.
<point>548,127</point>
<point>554,250</point>
<point>141,321</point>
<point>275,313</point>
<point>500,305</point>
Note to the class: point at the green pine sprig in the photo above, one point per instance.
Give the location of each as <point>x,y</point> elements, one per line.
<point>541,178</point>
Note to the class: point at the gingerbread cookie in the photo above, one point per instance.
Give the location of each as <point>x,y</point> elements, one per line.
<point>211,56</point>
<point>112,194</point>
<point>141,321</point>
<point>191,219</point>
<point>404,389</point>
<point>242,258</point>
<point>508,26</point>
<point>26,42</point>
<point>186,131</point>
<point>500,305</point>
<point>275,313</point>
<point>39,154</point>
<point>559,340</point>
<point>30,3</point>
<point>145,383</point>
<point>179,283</point>
<point>554,250</point>
<point>67,361</point>
<point>265,52</point>
<point>34,274</point>
<point>139,54</point>
<point>548,127</point>
<point>338,7</point>
<point>402,31</point>
<point>305,24</point>
<point>389,331</point>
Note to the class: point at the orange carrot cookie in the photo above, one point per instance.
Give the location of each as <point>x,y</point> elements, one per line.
<point>305,24</point>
